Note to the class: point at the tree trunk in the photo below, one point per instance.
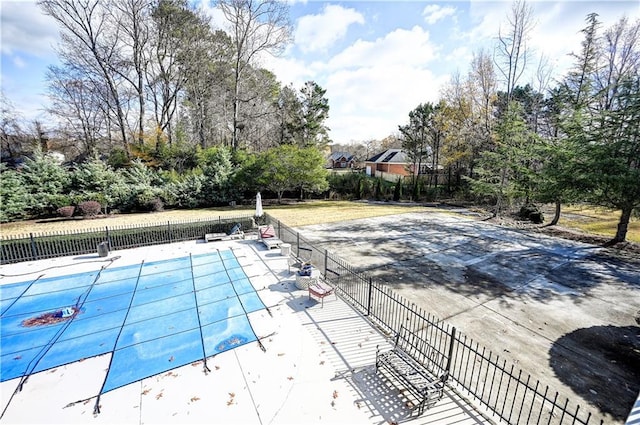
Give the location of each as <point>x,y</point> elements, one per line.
<point>556,216</point>
<point>623,224</point>
<point>140,109</point>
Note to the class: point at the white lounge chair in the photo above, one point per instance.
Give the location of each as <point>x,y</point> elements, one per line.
<point>267,236</point>
<point>234,233</point>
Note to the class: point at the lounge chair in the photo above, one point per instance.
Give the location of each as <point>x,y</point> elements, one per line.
<point>233,233</point>
<point>267,236</point>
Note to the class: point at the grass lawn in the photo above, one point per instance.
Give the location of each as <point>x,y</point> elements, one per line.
<point>599,221</point>
<point>587,219</point>
<point>298,214</point>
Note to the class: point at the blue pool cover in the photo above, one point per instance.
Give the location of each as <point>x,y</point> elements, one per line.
<point>152,317</point>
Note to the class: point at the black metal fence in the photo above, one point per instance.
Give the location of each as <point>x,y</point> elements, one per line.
<point>41,246</point>
<point>510,394</point>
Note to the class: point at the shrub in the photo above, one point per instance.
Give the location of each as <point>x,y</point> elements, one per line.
<point>118,158</point>
<point>431,194</point>
<point>185,193</point>
<point>397,191</point>
<point>66,211</point>
<point>89,208</point>
<point>97,181</point>
<point>155,205</point>
<point>532,213</point>
<point>60,200</point>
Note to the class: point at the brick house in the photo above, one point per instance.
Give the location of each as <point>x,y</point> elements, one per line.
<point>388,164</point>
<point>391,164</point>
<point>341,160</point>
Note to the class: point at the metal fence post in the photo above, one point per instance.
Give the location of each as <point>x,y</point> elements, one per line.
<point>326,255</point>
<point>453,338</point>
<point>169,231</point>
<point>106,228</point>
<point>298,244</point>
<point>34,250</point>
<point>369,296</point>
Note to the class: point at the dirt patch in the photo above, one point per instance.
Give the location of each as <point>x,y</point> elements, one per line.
<point>565,233</point>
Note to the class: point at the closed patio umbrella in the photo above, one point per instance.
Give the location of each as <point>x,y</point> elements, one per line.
<point>259,211</point>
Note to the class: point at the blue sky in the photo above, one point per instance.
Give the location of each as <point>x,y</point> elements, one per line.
<point>377,59</point>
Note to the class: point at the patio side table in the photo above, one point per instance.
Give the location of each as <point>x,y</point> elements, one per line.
<point>303,282</point>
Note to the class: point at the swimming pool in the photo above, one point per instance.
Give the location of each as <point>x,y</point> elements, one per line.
<point>152,317</point>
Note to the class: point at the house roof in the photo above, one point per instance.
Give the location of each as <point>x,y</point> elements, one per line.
<point>338,155</point>
<point>390,156</point>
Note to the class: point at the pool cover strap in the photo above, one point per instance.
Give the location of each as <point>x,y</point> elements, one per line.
<point>96,407</point>
<point>195,298</point>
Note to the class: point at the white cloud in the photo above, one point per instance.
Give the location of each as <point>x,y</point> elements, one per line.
<point>27,30</point>
<point>410,47</point>
<point>19,62</point>
<point>486,18</point>
<point>289,70</point>
<point>319,32</point>
<point>460,54</point>
<point>218,21</point>
<point>371,85</point>
<point>434,13</point>
<point>370,102</point>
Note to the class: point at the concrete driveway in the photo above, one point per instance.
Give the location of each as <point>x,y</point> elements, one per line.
<point>561,310</point>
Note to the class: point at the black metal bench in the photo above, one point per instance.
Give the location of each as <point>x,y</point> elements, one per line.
<point>416,368</point>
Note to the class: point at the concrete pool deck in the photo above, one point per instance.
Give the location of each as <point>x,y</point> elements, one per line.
<point>317,365</point>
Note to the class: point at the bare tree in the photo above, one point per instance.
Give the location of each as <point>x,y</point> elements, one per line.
<point>462,130</point>
<point>77,103</point>
<point>89,40</point>
<point>261,111</point>
<point>176,30</point>
<point>13,138</point>
<point>208,89</point>
<point>483,84</point>
<point>255,26</point>
<point>543,74</point>
<point>131,18</point>
<point>620,61</point>
<point>512,52</point>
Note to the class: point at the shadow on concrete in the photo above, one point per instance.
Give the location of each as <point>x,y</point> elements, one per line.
<point>476,260</point>
<point>618,347</point>
<point>378,396</point>
<point>390,406</point>
<point>474,266</point>
<point>299,303</point>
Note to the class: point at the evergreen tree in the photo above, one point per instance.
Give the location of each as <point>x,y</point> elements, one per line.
<point>44,178</point>
<point>13,195</point>
<point>611,157</point>
<point>303,116</point>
